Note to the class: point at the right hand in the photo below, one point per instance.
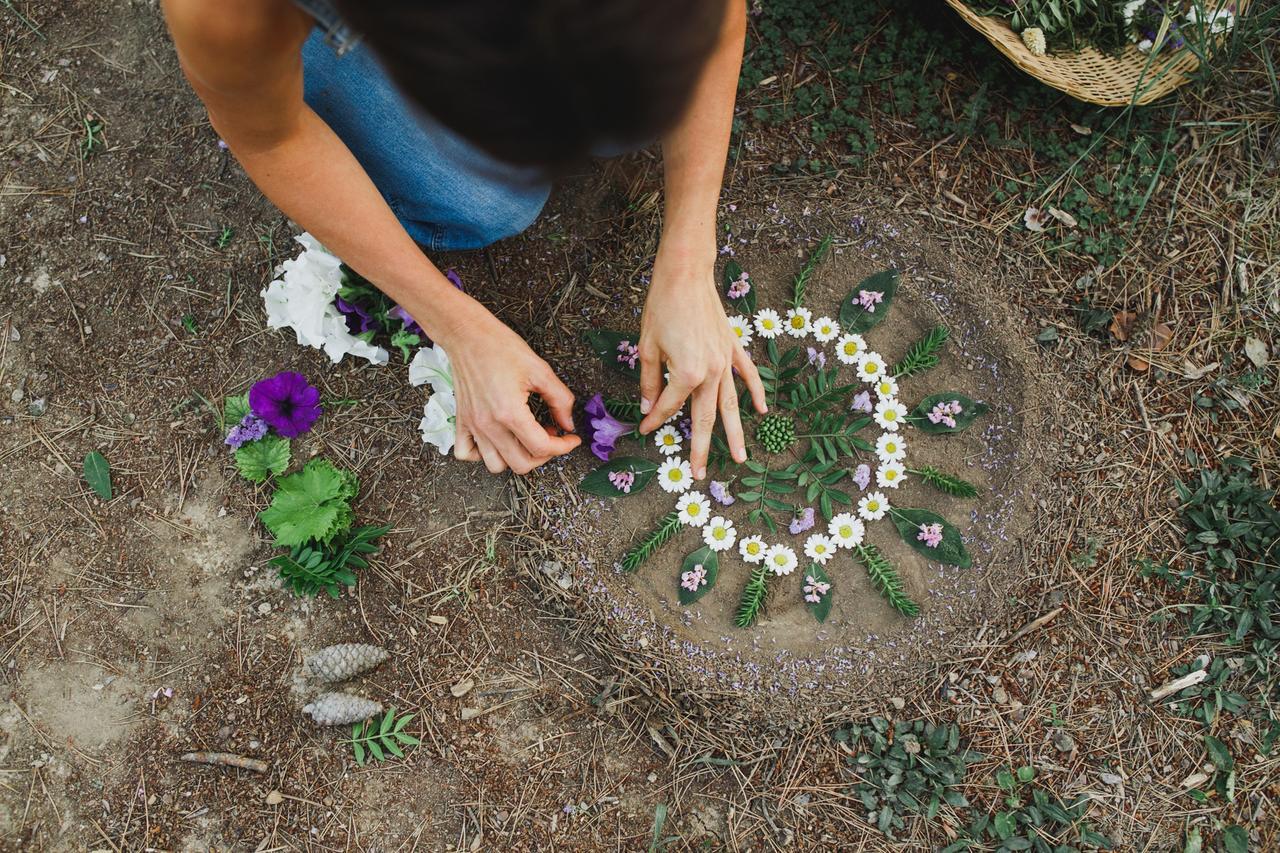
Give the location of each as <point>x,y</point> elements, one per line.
<point>494,372</point>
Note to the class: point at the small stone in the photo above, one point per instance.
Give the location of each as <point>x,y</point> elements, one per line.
<point>17,394</point>
<point>275,798</point>
<point>462,688</point>
<point>1062,741</point>
<point>37,407</point>
<point>264,608</point>
<point>1000,695</point>
<point>436,619</point>
<point>898,702</point>
<point>1111,779</point>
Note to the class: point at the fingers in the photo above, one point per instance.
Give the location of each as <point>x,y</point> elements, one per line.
<point>667,404</point>
<point>540,442</point>
<point>703,412</point>
<point>464,445</point>
<point>729,417</point>
<point>650,381</point>
<point>559,400</point>
<point>747,370</point>
<point>492,459</point>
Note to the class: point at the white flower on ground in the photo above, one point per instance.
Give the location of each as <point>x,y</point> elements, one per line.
<point>890,447</point>
<point>302,299</point>
<point>820,548</point>
<point>886,387</point>
<point>439,421</point>
<point>694,509</point>
<point>850,348</point>
<point>752,549</point>
<point>666,377</point>
<point>719,534</point>
<point>825,329</point>
<point>781,560</point>
<point>890,414</point>
<point>847,530</point>
<point>891,475</point>
<point>741,328</point>
<point>431,364</point>
<point>872,507</point>
<point>798,320</point>
<point>668,440</point>
<point>675,475</point>
<point>871,367</point>
<point>768,323</point>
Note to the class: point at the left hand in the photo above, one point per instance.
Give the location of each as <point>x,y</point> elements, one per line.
<point>684,329</point>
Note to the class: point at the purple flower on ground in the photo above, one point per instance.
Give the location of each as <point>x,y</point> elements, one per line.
<point>287,402</point>
<point>802,522</point>
<point>628,354</point>
<point>862,402</point>
<point>814,589</point>
<point>862,476</point>
<point>250,428</point>
<point>686,428</point>
<point>694,578</point>
<point>930,535</point>
<point>359,320</point>
<point>740,287</point>
<point>817,357</point>
<point>945,412</point>
<point>603,429</point>
<point>720,492</point>
<point>453,277</point>
<point>622,480</point>
<point>410,325</point>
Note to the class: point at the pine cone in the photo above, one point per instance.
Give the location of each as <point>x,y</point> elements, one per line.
<point>340,662</point>
<point>776,432</point>
<point>339,709</point>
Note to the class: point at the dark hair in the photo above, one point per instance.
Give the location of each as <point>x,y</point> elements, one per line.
<point>544,83</point>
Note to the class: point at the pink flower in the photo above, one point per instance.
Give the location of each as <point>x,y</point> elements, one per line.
<point>930,534</point>
<point>862,402</point>
<point>862,476</point>
<point>868,299</point>
<point>739,288</point>
<point>628,353</point>
<point>622,480</point>
<point>814,590</point>
<point>694,578</point>
<point>802,522</point>
<point>945,412</point>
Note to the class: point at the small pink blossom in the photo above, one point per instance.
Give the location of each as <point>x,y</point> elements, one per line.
<point>869,299</point>
<point>740,288</point>
<point>862,402</point>
<point>862,476</point>
<point>694,578</point>
<point>802,522</point>
<point>622,481</point>
<point>628,353</point>
<point>945,412</point>
<point>930,534</point>
<point>814,590</point>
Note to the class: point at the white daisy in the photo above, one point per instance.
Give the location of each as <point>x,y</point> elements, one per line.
<point>870,367</point>
<point>850,348</point>
<point>679,412</point>
<point>694,509</point>
<point>872,507</point>
<point>886,387</point>
<point>820,548</point>
<point>668,440</point>
<point>768,323</point>
<point>752,549</point>
<point>719,534</point>
<point>742,328</point>
<point>890,414</point>
<point>891,475</point>
<point>890,447</point>
<point>847,530</point>
<point>825,329</point>
<point>798,320</point>
<point>675,475</point>
<point>781,560</point>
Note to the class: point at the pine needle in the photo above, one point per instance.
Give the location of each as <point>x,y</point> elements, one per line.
<point>753,595</point>
<point>923,353</point>
<point>886,580</point>
<point>802,280</point>
<point>946,483</point>
<point>667,527</point>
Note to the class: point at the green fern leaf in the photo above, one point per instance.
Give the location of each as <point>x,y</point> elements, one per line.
<point>923,353</point>
<point>946,483</point>
<point>885,578</point>
<point>753,597</point>
<point>666,528</point>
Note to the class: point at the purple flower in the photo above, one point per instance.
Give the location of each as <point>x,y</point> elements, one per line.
<point>250,428</point>
<point>453,277</point>
<point>686,428</point>
<point>410,325</point>
<point>862,476</point>
<point>622,481</point>
<point>603,429</point>
<point>740,287</point>
<point>802,522</point>
<point>945,412</point>
<point>287,402</point>
<point>817,357</point>
<point>814,589</point>
<point>862,402</point>
<point>720,492</point>
<point>694,578</point>
<point>359,320</point>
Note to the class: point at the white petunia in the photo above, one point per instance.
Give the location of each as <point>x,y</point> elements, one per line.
<point>820,548</point>
<point>439,421</point>
<point>752,549</point>
<point>694,509</point>
<point>781,560</point>
<point>890,414</point>
<point>847,530</point>
<point>870,367</point>
<point>719,534</point>
<point>668,440</point>
<point>850,348</point>
<point>675,475</point>
<point>891,475</point>
<point>741,328</point>
<point>1130,9</point>
<point>1218,21</point>
<point>302,299</point>
<point>825,329</point>
<point>872,507</point>
<point>798,320</point>
<point>886,387</point>
<point>890,447</point>
<point>431,364</point>
<point>768,323</point>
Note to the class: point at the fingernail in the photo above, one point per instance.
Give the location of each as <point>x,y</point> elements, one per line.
<point>645,405</point>
<point>702,472</point>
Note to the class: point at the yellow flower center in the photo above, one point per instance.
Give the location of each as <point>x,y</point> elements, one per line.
<point>890,447</point>
<point>718,533</point>
<point>890,415</point>
<point>675,475</point>
<point>753,548</point>
<point>870,367</point>
<point>780,559</point>
<point>850,348</point>
<point>873,506</point>
<point>694,509</point>
<point>737,330</point>
<point>846,531</point>
<point>891,475</point>
<point>668,440</point>
<point>797,322</point>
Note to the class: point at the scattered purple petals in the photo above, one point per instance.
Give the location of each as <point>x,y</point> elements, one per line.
<point>802,522</point>
<point>250,428</point>
<point>862,476</point>
<point>286,401</point>
<point>817,357</point>
<point>686,428</point>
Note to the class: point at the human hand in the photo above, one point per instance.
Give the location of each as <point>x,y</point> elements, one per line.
<point>684,327</point>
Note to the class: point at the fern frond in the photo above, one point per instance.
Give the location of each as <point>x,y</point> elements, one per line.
<point>753,596</point>
<point>667,527</point>
<point>946,483</point>
<point>886,580</point>
<point>923,353</point>
<point>802,280</point>
<point>627,411</point>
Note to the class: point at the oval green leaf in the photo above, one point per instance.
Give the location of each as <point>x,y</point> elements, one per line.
<point>950,550</point>
<point>597,482</point>
<point>970,410</point>
<point>604,343</point>
<point>855,318</point>
<point>97,473</point>
<point>822,607</point>
<point>709,560</point>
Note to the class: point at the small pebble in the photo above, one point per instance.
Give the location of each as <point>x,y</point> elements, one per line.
<point>275,798</point>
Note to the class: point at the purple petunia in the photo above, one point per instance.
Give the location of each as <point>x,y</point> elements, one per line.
<point>603,429</point>
<point>287,402</point>
<point>453,277</point>
<point>359,320</point>
<point>250,428</point>
<point>410,325</point>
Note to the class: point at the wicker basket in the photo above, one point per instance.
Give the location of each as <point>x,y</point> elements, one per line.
<point>1132,77</point>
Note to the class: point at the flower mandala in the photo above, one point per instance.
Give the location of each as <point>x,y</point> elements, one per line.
<point>825,462</point>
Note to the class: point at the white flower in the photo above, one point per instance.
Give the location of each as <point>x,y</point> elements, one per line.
<point>752,549</point>
<point>891,474</point>
<point>679,412</point>
<point>694,509</point>
<point>675,475</point>
<point>431,364</point>
<point>886,387</point>
<point>439,421</point>
<point>820,548</point>
<point>1219,21</point>
<point>849,348</point>
<point>719,534</point>
<point>1033,38</point>
<point>768,323</point>
<point>798,320</point>
<point>1145,45</point>
<point>872,507</point>
<point>847,530</point>
<point>1130,9</point>
<point>302,299</point>
<point>890,447</point>
<point>780,559</point>
<point>825,329</point>
<point>668,440</point>
<point>870,367</point>
<point>742,328</point>
<point>890,414</point>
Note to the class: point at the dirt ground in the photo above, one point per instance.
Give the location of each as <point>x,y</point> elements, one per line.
<point>136,630</point>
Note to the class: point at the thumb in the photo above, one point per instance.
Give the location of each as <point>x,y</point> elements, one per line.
<point>650,379</point>
<point>558,397</point>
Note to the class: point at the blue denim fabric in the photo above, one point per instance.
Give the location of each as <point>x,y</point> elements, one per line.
<point>447,193</point>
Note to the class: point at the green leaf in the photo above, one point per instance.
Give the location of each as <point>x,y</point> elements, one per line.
<point>604,343</point>
<point>358,749</point>
<point>970,410</point>
<point>97,473</point>
<point>802,280</point>
<point>267,456</point>
<point>233,410</point>
<point>1235,839</point>
<point>853,317</point>
<point>885,579</point>
<point>745,304</point>
<point>753,596</point>
<point>597,482</point>
<point>710,561</point>
<point>667,527</point>
<point>950,550</point>
<point>922,355</point>
<point>403,341</point>
<point>822,608</point>
<point>1026,773</point>
<point>1219,754</point>
<point>314,503</point>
